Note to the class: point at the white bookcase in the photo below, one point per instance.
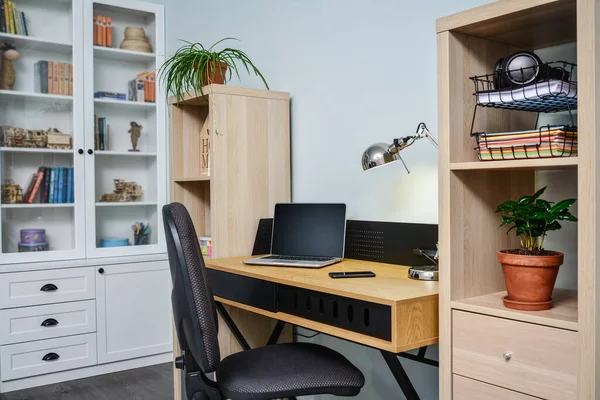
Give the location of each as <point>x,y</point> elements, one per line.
<point>62,30</point>
<point>111,305</point>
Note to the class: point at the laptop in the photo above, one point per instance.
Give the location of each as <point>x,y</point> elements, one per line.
<point>306,235</point>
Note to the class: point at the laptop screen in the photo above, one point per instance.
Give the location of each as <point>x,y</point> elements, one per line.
<point>309,230</point>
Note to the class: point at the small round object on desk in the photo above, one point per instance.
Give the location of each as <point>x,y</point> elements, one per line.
<point>33,236</point>
<point>114,242</point>
<point>33,247</point>
<point>424,272</point>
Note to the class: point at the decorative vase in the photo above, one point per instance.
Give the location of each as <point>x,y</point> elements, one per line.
<point>136,40</point>
<point>529,279</point>
<point>215,72</point>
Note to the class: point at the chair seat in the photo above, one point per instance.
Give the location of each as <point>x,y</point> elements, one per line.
<point>289,369</point>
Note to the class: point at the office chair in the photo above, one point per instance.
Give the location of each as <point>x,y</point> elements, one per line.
<point>269,372</point>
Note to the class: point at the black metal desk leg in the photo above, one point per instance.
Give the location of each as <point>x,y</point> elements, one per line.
<point>400,374</point>
<point>232,326</point>
<point>276,332</point>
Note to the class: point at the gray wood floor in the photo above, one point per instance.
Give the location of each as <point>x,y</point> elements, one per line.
<point>149,383</point>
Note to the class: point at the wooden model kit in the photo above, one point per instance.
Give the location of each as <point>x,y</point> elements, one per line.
<point>124,192</point>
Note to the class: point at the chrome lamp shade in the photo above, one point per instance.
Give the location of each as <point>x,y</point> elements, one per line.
<point>379,154</point>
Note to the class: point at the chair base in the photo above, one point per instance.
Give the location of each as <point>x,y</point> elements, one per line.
<point>197,385</point>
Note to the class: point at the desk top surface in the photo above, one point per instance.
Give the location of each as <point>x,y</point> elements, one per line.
<point>390,286</point>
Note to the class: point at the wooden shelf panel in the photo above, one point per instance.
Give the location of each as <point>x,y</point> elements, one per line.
<point>527,24</point>
<point>562,315</point>
<point>202,178</point>
<point>539,164</point>
<point>126,104</point>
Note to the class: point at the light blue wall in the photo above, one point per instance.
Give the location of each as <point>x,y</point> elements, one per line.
<point>359,72</point>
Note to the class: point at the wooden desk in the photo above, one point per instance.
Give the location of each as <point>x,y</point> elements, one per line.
<point>412,306</point>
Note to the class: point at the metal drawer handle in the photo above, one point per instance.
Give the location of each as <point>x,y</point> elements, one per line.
<point>51,357</point>
<point>49,287</point>
<point>507,356</point>
<point>49,322</point>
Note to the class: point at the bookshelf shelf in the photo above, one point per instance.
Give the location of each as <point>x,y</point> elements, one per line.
<point>12,95</point>
<point>113,54</point>
<point>125,103</point>
<point>539,163</point>
<point>125,153</point>
<point>39,205</point>
<point>34,150</point>
<point>127,204</point>
<point>36,43</point>
<point>200,178</point>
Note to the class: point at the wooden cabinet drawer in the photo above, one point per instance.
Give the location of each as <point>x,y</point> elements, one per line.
<point>540,361</point>
<point>469,389</point>
<point>47,356</point>
<point>46,322</point>
<point>46,287</point>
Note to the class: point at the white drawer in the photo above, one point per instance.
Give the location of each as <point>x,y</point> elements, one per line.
<point>47,356</point>
<point>45,287</point>
<point>27,324</point>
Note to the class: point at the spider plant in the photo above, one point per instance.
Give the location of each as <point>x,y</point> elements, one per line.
<point>194,66</point>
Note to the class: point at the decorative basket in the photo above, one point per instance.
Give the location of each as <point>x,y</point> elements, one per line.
<point>136,40</point>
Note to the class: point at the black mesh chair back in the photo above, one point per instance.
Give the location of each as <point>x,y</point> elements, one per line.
<point>194,309</point>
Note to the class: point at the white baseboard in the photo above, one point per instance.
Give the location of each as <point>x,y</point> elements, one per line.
<point>63,376</point>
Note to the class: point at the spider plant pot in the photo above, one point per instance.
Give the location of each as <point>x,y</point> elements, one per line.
<point>213,72</point>
<point>529,279</point>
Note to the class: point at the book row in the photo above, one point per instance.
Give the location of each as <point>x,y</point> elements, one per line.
<point>103,35</point>
<point>51,185</point>
<point>51,77</point>
<point>102,134</point>
<point>142,88</point>
<point>11,19</point>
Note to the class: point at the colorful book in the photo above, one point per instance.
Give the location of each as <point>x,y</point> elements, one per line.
<point>10,18</point>
<point>65,79</point>
<point>24,22</point>
<point>70,79</point>
<point>2,17</point>
<point>56,75</point>
<point>96,134</point>
<point>110,95</point>
<point>70,185</point>
<point>107,137</point>
<point>17,17</point>
<point>57,186</point>
<point>102,123</point>
<point>140,89</point>
<point>109,32</point>
<point>46,194</point>
<point>30,187</point>
<point>65,185</point>
<point>95,29</point>
<point>60,185</point>
<point>102,31</point>
<point>50,77</point>
<point>51,186</point>
<point>39,177</point>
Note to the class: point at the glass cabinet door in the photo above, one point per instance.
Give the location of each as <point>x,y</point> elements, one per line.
<point>125,129</point>
<point>41,121</point>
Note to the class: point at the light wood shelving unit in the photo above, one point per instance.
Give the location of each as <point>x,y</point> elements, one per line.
<point>230,165</point>
<point>471,280</point>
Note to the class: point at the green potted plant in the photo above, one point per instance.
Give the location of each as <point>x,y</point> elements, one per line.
<point>530,271</point>
<point>194,66</point>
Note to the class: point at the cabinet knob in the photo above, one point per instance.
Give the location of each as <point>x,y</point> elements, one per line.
<point>49,287</point>
<point>90,151</point>
<point>80,151</point>
<point>101,271</point>
<point>49,322</point>
<point>507,356</point>
<point>51,357</point>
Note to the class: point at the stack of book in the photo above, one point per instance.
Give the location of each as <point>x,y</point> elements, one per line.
<point>51,185</point>
<point>103,35</point>
<point>102,134</point>
<point>110,95</point>
<point>11,19</point>
<point>53,77</point>
<point>142,88</point>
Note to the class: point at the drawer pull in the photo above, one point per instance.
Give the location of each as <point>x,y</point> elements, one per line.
<point>49,322</point>
<point>507,356</point>
<point>49,287</point>
<point>51,357</point>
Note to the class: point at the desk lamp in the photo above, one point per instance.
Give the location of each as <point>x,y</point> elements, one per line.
<point>381,154</point>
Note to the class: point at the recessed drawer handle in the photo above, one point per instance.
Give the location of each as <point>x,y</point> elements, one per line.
<point>51,357</point>
<point>507,356</point>
<point>49,287</point>
<point>49,322</point>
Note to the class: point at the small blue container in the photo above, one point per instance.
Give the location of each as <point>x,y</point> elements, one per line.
<point>114,242</point>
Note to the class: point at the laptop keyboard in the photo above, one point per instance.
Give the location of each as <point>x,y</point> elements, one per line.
<point>298,258</point>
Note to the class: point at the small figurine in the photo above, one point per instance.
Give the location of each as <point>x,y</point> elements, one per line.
<point>11,192</point>
<point>124,192</point>
<point>135,132</point>
<point>8,74</point>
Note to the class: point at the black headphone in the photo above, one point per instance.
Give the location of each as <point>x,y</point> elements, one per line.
<point>523,68</point>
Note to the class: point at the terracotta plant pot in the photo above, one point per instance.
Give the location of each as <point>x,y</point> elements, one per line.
<point>214,73</point>
<point>529,279</point>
